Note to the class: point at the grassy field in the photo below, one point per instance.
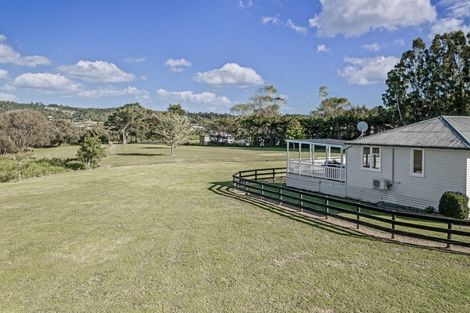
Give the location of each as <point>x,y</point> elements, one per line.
<point>151,233</point>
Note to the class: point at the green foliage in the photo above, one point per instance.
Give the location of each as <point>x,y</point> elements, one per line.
<point>176,108</point>
<point>266,102</point>
<point>295,130</point>
<point>64,132</point>
<point>172,129</point>
<point>91,152</point>
<point>99,132</point>
<point>33,168</point>
<point>55,111</point>
<point>454,204</point>
<point>431,81</point>
<point>128,118</point>
<point>24,129</point>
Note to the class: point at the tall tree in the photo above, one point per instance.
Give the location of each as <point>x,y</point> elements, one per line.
<point>429,82</point>
<point>127,118</point>
<point>242,109</point>
<point>172,129</point>
<point>267,102</point>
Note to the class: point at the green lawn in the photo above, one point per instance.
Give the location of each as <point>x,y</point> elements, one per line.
<point>151,233</point>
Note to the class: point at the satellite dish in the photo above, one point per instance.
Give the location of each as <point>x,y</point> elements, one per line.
<point>362,127</point>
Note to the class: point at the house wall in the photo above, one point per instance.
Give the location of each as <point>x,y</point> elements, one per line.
<point>317,185</point>
<point>468,178</point>
<point>444,170</point>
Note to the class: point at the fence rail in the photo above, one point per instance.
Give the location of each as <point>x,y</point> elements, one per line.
<point>337,173</point>
<point>420,226</point>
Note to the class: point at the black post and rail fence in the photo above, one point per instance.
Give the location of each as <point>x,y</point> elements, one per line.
<point>262,183</point>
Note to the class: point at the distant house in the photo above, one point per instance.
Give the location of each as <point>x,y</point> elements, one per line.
<point>411,165</point>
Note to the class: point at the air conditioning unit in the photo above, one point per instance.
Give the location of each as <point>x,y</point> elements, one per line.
<point>381,184</point>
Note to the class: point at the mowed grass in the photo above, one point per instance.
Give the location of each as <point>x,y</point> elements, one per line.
<point>150,233</point>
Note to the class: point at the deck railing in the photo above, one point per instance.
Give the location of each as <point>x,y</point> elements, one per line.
<point>435,228</point>
<point>336,173</point>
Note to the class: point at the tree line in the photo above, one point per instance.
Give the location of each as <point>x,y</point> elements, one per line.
<point>426,82</point>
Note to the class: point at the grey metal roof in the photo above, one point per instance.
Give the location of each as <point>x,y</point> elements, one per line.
<point>444,132</point>
<point>321,141</point>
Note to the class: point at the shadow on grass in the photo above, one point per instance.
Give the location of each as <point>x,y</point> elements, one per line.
<point>222,188</point>
<point>140,154</point>
<point>154,148</point>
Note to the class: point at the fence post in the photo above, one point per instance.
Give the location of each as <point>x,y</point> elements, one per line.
<point>274,175</point>
<point>393,226</point>
<point>301,202</point>
<point>327,209</point>
<point>358,210</point>
<point>262,190</point>
<point>280,196</point>
<point>449,234</point>
<point>256,174</point>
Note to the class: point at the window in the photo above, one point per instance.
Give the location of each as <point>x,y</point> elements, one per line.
<point>417,162</point>
<point>371,158</point>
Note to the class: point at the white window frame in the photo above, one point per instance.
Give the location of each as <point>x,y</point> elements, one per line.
<point>412,173</point>
<point>370,168</point>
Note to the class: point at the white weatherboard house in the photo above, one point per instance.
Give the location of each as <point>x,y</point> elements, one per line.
<point>411,165</point>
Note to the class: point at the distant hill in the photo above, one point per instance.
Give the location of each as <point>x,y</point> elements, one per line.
<point>82,115</point>
<point>56,111</point>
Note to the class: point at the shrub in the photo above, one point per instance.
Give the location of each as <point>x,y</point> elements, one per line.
<point>429,209</point>
<point>454,204</point>
<point>91,152</point>
<point>9,170</point>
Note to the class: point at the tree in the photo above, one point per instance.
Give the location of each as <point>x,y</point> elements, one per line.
<point>23,129</point>
<point>90,152</point>
<point>323,92</point>
<point>127,118</point>
<point>333,106</point>
<point>265,102</point>
<point>433,81</point>
<point>176,108</point>
<point>172,129</point>
<point>63,131</point>
<point>295,130</point>
<point>242,109</point>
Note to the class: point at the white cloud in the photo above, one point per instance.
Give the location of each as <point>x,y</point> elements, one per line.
<point>270,20</point>
<point>356,17</point>
<point>457,8</point>
<point>448,24</point>
<point>46,82</point>
<point>322,48</point>
<point>296,28</point>
<point>3,74</point>
<point>177,65</point>
<point>274,20</point>
<point>111,91</point>
<point>135,60</point>
<point>7,96</point>
<point>366,71</point>
<point>96,71</point>
<point>245,4</point>
<point>9,56</point>
<point>201,98</point>
<point>400,42</point>
<point>230,74</point>
<point>372,47</point>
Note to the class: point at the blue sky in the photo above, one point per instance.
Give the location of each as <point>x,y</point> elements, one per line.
<point>209,55</point>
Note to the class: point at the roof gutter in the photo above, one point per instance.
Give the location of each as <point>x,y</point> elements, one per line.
<point>455,130</point>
